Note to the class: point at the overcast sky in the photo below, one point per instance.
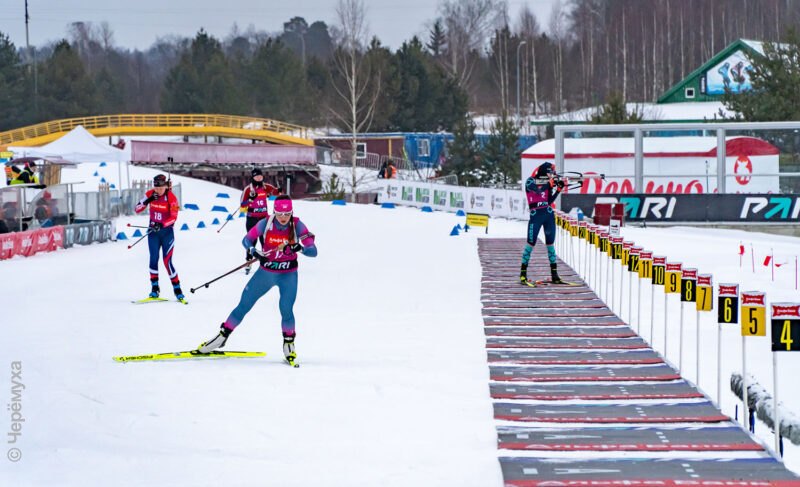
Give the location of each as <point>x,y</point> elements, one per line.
<point>137,23</point>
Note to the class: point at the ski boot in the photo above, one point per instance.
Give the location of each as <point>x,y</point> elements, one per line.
<point>554,277</point>
<point>288,350</point>
<point>179,294</point>
<point>154,292</point>
<point>216,342</point>
<point>523,274</point>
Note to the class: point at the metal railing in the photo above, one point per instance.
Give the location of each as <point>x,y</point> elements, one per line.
<point>160,121</point>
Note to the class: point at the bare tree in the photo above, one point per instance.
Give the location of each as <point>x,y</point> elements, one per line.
<point>353,84</point>
<point>467,24</point>
<point>529,31</point>
<point>559,32</point>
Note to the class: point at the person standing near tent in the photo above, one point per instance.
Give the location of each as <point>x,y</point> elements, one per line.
<point>283,237</point>
<point>164,209</point>
<point>254,201</point>
<point>541,188</point>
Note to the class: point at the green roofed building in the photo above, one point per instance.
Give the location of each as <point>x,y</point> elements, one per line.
<point>728,68</point>
<point>696,98</point>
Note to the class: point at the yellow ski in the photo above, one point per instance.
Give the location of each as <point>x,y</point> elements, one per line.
<point>191,354</point>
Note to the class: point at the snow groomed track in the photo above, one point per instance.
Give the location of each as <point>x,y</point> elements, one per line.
<point>559,356</point>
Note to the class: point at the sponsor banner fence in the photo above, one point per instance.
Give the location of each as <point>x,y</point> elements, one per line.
<point>49,239</point>
<point>506,203</point>
<point>773,208</point>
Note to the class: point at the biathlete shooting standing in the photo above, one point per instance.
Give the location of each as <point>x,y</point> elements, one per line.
<point>164,209</point>
<point>541,188</point>
<point>283,237</point>
<point>254,201</point>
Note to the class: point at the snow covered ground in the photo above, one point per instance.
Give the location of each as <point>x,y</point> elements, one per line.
<point>393,387</point>
<point>392,390</point>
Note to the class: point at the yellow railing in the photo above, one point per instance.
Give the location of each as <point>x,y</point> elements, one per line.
<point>223,125</point>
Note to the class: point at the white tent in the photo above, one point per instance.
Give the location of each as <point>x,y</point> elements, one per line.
<point>77,146</point>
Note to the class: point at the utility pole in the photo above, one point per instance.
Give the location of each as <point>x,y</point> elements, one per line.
<point>32,60</point>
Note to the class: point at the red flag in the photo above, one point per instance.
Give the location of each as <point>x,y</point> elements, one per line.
<point>767,260</point>
<point>741,249</point>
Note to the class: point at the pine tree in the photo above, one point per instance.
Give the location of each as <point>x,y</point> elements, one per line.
<point>65,89</point>
<point>614,112</point>
<point>12,86</point>
<point>464,154</point>
<point>774,79</point>
<point>202,81</point>
<point>276,85</point>
<point>501,164</point>
<point>436,39</point>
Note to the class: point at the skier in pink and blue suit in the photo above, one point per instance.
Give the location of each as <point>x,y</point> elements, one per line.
<point>283,237</point>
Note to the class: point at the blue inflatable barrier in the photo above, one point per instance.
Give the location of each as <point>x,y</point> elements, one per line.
<point>137,233</point>
<point>102,180</point>
<point>122,236</point>
<point>103,164</point>
<point>219,208</point>
<point>242,215</point>
<point>113,186</point>
<point>460,213</point>
<point>190,206</point>
<point>272,198</point>
<point>184,227</point>
<point>215,222</point>
<point>339,202</point>
<point>230,217</point>
<point>387,205</point>
<point>222,195</point>
<point>454,231</point>
<point>95,174</point>
<point>201,225</point>
<point>427,209</point>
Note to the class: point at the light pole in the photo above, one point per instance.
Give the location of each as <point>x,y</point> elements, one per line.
<point>518,46</point>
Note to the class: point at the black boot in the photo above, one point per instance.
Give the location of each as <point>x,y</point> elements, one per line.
<point>554,277</point>
<point>154,290</point>
<point>523,273</point>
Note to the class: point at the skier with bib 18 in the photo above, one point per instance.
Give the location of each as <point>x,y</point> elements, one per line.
<point>164,209</point>
<point>283,237</point>
<point>541,188</point>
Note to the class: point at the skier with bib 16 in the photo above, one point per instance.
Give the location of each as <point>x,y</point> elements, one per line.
<point>283,237</point>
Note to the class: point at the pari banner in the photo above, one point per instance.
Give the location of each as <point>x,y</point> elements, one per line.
<point>494,202</point>
<point>734,208</point>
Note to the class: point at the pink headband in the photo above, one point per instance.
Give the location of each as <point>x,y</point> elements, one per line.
<point>283,206</point>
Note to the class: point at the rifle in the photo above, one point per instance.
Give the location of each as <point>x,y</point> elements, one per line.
<point>571,179</point>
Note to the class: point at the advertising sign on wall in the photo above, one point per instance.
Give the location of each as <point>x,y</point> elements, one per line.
<point>695,207</point>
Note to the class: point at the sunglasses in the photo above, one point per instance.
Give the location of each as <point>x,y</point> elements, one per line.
<point>283,213</point>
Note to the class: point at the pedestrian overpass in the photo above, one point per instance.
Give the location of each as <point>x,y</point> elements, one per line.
<point>230,126</point>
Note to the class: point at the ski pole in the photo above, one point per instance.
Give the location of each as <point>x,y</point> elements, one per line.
<point>140,239</point>
<point>223,275</point>
<point>137,226</point>
<point>227,219</point>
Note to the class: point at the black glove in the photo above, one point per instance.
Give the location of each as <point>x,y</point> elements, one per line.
<point>155,226</point>
<point>252,195</point>
<point>560,184</point>
<point>295,247</point>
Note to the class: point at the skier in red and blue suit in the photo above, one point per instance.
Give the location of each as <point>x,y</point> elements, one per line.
<point>283,237</point>
<point>541,188</point>
<point>164,209</point>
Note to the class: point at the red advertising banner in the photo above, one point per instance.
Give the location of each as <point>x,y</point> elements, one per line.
<point>30,242</point>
